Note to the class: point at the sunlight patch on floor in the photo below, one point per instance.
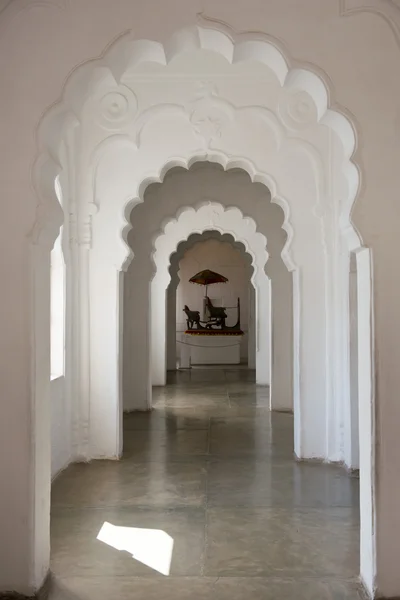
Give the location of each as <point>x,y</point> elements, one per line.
<point>151,547</point>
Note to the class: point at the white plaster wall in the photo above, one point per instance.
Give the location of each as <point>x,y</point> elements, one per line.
<point>61,452</point>
<point>222,258</point>
<point>340,39</point>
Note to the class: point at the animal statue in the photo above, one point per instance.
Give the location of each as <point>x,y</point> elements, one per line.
<point>216,312</point>
<point>193,317</point>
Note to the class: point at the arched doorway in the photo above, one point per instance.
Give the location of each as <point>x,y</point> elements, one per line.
<point>320,356</point>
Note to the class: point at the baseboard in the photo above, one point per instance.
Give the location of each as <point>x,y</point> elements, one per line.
<point>335,463</point>
<point>42,594</point>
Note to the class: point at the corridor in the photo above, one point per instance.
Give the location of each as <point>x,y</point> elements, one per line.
<point>207,503</point>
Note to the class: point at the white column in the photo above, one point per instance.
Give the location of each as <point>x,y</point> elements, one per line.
<point>158,321</point>
<point>263,330</point>
<point>39,415</point>
<point>281,397</point>
<point>251,333</point>
<point>25,417</point>
<point>171,322</point>
<point>379,382</point>
<point>126,340</point>
<point>310,361</point>
<point>366,426</point>
<point>137,374</point>
<point>81,414</point>
<point>352,458</point>
<point>25,457</point>
<point>106,303</point>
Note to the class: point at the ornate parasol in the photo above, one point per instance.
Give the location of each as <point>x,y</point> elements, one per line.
<point>207,278</point>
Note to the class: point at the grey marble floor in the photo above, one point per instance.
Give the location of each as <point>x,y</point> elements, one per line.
<point>207,503</point>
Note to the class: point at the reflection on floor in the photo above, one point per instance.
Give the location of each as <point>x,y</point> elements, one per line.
<point>207,503</point>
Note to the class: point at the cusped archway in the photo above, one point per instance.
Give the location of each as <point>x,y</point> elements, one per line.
<point>180,190</point>
<point>175,292</point>
<point>279,129</point>
<point>288,139</point>
<point>243,229</point>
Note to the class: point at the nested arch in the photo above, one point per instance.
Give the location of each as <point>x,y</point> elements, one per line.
<point>315,188</point>
<point>173,343</point>
<point>207,216</point>
<point>202,184</point>
<point>303,103</point>
<point>196,238</point>
<point>296,145</point>
<point>124,246</point>
<point>190,220</point>
<point>300,160</point>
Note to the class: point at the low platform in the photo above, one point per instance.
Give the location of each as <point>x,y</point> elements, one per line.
<point>212,332</point>
<point>209,347</point>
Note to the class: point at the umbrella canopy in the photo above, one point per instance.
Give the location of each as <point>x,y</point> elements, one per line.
<point>208,277</point>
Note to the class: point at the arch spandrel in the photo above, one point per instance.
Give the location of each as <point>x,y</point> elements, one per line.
<point>298,115</point>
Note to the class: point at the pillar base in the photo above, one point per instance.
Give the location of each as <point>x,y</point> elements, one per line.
<point>42,594</point>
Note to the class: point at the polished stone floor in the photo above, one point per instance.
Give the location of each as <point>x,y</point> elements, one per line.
<point>207,503</point>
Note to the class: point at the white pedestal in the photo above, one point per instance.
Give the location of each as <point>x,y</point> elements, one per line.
<point>209,350</point>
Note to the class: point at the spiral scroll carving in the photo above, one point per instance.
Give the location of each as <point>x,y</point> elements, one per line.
<point>116,108</point>
<point>297,110</point>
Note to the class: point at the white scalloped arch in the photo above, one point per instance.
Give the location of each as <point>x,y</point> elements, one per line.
<point>96,395</point>
<point>195,238</point>
<point>192,220</point>
<point>127,54</point>
<point>188,221</point>
<point>227,163</point>
<point>176,257</point>
<point>315,182</point>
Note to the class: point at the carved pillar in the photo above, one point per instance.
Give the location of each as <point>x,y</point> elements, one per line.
<point>96,336</point>
<point>83,333</point>
<point>80,246</point>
